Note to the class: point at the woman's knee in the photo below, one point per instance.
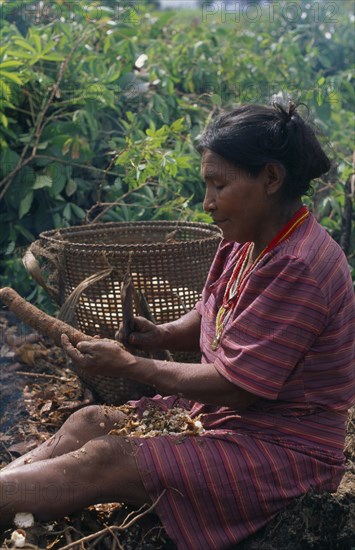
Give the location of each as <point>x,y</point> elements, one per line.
<point>85,417</point>
<point>95,420</point>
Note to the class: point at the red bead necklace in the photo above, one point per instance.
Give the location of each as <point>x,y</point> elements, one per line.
<point>242,272</point>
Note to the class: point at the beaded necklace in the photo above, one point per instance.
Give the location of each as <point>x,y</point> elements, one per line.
<point>243,269</point>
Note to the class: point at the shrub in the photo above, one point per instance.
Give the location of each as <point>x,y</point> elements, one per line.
<point>100,104</point>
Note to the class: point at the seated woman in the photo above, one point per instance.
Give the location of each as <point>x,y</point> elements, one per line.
<point>276,330</point>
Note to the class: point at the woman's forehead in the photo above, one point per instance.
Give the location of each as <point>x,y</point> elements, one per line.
<point>213,165</point>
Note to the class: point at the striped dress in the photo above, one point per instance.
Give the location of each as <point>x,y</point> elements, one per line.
<point>290,341</point>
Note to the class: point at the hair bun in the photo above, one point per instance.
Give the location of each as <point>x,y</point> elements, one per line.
<point>286,113</point>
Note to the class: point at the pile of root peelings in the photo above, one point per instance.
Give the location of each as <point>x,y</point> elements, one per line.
<point>156,422</point>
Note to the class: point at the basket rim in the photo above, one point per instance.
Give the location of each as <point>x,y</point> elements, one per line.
<point>212,233</point>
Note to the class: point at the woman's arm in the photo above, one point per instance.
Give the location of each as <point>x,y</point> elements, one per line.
<point>200,382</point>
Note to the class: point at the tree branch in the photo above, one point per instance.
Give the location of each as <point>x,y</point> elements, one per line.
<point>109,205</point>
<point>39,124</point>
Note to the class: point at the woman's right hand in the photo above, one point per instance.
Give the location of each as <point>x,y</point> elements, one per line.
<point>145,335</point>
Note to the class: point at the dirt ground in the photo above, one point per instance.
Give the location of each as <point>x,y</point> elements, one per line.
<point>39,391</point>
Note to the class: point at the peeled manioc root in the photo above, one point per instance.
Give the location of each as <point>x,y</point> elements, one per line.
<point>40,321</point>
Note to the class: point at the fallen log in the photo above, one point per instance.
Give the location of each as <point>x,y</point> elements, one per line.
<point>40,321</point>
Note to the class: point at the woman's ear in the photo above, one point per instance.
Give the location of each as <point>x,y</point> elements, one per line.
<point>275,175</point>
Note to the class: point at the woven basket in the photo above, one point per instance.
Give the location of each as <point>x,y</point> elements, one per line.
<point>168,261</point>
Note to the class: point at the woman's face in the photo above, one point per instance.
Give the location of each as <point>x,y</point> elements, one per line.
<point>238,203</point>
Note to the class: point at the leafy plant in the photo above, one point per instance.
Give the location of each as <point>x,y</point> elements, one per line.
<point>100,105</point>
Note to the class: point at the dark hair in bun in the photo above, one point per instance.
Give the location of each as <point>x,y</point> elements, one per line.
<point>253,135</point>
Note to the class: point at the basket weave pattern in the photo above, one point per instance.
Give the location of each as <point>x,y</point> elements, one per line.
<point>168,263</point>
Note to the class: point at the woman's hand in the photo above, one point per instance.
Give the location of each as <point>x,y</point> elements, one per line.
<point>105,357</point>
<point>180,335</point>
<point>146,335</point>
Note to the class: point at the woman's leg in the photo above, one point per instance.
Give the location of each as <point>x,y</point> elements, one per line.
<point>82,426</point>
<point>103,470</point>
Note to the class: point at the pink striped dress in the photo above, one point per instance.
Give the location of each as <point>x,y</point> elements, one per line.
<point>290,341</point>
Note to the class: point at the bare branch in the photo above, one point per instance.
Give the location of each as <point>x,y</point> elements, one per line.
<point>109,205</point>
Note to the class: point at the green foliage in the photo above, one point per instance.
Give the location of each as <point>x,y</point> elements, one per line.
<point>100,104</point>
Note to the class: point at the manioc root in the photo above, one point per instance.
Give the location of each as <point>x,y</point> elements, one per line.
<point>40,321</point>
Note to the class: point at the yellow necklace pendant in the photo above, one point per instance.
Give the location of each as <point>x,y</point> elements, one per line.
<point>215,343</point>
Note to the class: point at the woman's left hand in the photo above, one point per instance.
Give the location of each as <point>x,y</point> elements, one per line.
<point>103,356</point>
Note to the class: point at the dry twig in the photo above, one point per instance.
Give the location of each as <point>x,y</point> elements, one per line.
<point>122,527</point>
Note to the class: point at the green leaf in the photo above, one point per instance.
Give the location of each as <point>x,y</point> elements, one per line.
<point>25,205</point>
<point>42,145</point>
<point>37,42</point>
<point>5,64</point>
<point>42,181</point>
<point>25,55</point>
<point>5,91</point>
<point>178,125</point>
<point>58,173</point>
<point>79,212</point>
<point>53,57</point>
<point>4,120</point>
<point>11,76</point>
<point>67,211</point>
<point>71,187</point>
<point>10,248</point>
<point>24,44</point>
